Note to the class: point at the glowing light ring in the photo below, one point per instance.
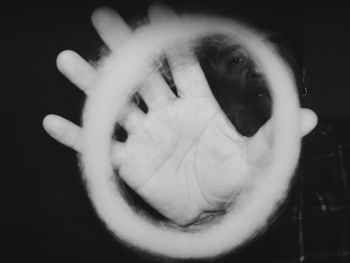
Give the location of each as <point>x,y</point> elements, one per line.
<point>117,82</point>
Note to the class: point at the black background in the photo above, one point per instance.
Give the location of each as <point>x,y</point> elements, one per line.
<point>47,215</point>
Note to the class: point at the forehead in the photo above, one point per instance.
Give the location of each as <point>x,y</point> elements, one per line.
<point>218,46</point>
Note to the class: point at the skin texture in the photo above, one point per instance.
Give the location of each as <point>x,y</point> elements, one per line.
<point>183,152</point>
<point>239,88</point>
<point>173,153</point>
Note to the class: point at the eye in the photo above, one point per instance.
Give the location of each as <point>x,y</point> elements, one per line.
<point>236,59</point>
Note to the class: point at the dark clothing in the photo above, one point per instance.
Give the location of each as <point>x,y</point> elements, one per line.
<point>314,226</point>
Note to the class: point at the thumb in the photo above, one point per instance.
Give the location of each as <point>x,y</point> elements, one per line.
<point>259,146</point>
<point>308,121</point>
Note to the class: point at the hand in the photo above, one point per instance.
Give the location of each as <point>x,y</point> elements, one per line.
<point>183,156</point>
<point>114,32</point>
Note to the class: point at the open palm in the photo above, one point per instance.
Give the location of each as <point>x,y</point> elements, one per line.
<point>183,156</point>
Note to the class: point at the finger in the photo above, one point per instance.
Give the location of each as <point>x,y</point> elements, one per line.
<point>68,134</point>
<point>63,131</point>
<point>308,121</point>
<point>133,117</point>
<point>188,76</point>
<point>155,92</point>
<point>111,27</point>
<point>158,12</point>
<point>76,69</point>
<point>260,144</point>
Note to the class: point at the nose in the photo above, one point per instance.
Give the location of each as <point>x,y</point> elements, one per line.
<point>252,74</point>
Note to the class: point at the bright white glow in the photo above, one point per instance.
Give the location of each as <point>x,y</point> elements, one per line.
<point>105,106</point>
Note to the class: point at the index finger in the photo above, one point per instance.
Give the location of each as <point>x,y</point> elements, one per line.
<point>111,27</point>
